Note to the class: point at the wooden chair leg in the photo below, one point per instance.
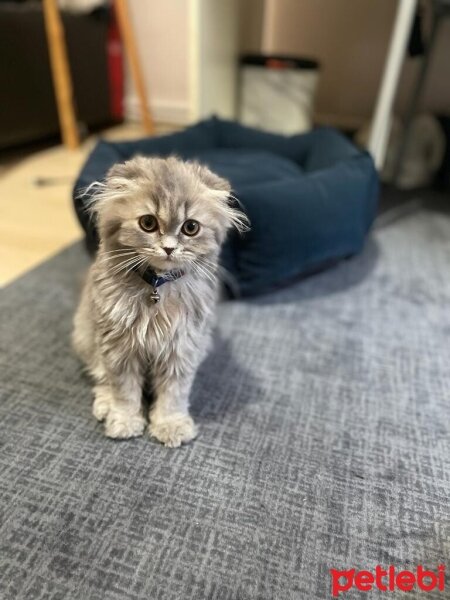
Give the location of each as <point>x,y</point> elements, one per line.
<point>126,30</point>
<point>61,74</point>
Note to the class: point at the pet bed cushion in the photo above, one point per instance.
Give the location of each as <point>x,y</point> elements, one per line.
<point>311,198</point>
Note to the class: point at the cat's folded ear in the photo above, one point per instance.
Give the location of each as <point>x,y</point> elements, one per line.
<point>210,179</point>
<point>227,205</point>
<point>130,169</point>
<point>124,170</point>
<point>120,179</point>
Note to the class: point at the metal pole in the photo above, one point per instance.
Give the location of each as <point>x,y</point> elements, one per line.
<point>381,123</point>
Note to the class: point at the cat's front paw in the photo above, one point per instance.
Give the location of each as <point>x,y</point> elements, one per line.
<point>101,405</point>
<point>121,426</point>
<point>174,431</point>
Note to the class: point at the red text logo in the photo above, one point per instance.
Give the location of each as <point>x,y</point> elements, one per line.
<point>387,580</point>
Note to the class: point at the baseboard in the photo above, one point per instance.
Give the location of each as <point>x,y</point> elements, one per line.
<point>163,111</point>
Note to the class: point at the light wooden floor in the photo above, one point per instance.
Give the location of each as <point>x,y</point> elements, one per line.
<point>38,221</point>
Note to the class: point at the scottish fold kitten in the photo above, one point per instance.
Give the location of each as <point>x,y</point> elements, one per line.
<point>146,311</point>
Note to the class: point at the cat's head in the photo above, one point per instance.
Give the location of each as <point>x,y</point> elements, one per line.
<point>170,212</point>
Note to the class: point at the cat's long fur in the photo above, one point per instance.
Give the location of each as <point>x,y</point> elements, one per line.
<point>120,334</point>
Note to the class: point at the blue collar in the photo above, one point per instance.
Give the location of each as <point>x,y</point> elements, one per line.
<point>150,276</point>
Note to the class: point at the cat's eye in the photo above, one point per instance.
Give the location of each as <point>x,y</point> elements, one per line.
<point>190,227</point>
<point>148,223</point>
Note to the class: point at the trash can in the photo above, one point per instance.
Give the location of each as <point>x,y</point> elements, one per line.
<point>277,92</point>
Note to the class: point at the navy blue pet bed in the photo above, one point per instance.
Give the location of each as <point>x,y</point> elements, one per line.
<point>310,198</point>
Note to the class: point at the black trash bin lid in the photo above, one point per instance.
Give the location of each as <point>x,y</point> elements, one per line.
<point>279,61</point>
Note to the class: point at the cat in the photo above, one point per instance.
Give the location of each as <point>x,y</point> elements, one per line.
<point>146,311</point>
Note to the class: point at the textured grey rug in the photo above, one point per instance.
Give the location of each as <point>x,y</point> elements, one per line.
<point>324,413</point>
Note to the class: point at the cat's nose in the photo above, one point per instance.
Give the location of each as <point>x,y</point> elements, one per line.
<point>168,251</point>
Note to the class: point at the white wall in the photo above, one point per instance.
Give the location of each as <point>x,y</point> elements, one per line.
<point>162,32</point>
<point>251,13</point>
<point>214,58</point>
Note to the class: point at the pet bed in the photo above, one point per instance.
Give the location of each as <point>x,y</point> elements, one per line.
<point>311,198</point>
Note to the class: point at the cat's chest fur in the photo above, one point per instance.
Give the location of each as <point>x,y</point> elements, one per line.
<point>149,328</point>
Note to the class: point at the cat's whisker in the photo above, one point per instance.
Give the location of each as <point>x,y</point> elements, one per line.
<point>208,278</point>
<point>207,275</point>
<point>203,272</point>
<point>115,252</point>
<point>207,261</point>
<point>125,264</point>
<point>115,256</point>
<point>226,277</point>
<point>134,265</point>
<point>105,257</point>
<point>131,264</point>
<point>121,249</point>
<point>137,265</point>
<point>207,269</point>
<point>126,260</point>
<point>199,264</point>
<point>213,265</point>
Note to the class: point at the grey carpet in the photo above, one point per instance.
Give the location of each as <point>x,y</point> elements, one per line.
<point>324,412</point>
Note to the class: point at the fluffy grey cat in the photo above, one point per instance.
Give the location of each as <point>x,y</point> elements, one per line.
<point>147,307</point>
